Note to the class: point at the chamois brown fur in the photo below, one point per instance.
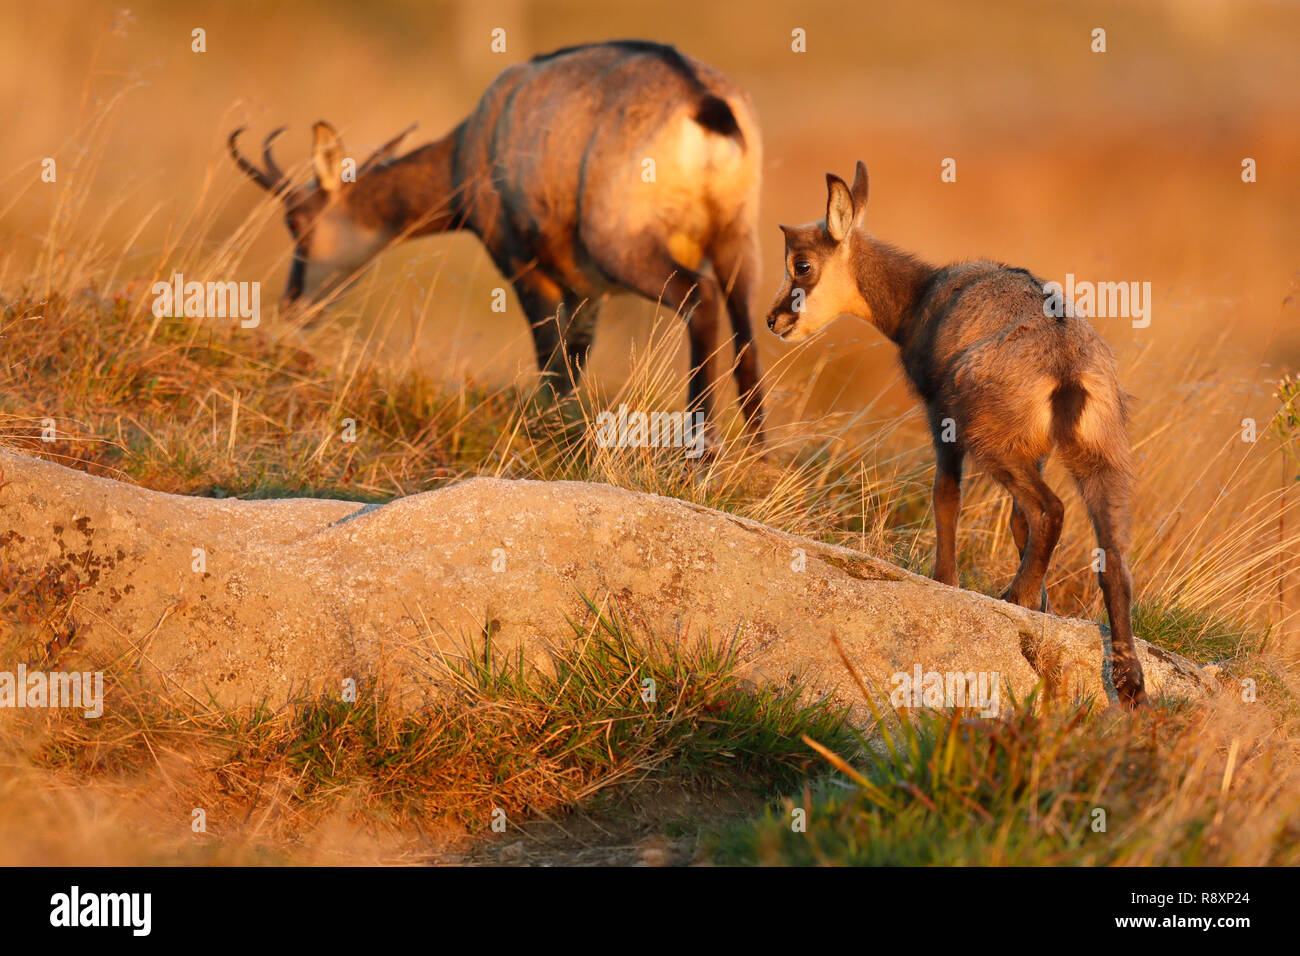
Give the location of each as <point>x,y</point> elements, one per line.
<point>1003,382</point>
<point>549,171</point>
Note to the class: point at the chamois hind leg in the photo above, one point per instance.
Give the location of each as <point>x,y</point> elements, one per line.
<point>735,259</point>
<point>947,502</point>
<point>1043,515</point>
<point>1106,488</point>
<point>649,269</point>
<point>1020,532</point>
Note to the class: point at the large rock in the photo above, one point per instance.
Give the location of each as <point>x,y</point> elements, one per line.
<point>302,593</point>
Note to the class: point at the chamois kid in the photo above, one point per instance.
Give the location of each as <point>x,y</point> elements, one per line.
<point>1003,380</point>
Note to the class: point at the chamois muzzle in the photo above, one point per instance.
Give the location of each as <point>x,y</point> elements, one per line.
<point>781,320</point>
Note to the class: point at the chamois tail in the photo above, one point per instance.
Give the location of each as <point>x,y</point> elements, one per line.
<point>715,115</point>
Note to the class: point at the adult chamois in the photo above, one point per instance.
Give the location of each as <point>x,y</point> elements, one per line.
<point>592,170</point>
<point>1002,380</point>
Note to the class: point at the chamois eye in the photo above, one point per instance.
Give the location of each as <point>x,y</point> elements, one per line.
<point>802,267</point>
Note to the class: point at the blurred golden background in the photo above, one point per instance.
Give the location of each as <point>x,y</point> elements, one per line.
<point>1123,165</point>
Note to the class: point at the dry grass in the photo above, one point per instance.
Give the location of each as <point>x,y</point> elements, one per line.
<point>1214,785</point>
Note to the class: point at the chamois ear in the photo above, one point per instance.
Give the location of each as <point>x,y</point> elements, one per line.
<point>839,208</point>
<point>327,157</point>
<point>860,189</point>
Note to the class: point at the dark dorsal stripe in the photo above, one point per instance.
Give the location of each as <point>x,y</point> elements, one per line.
<point>667,54</point>
<point>712,112</point>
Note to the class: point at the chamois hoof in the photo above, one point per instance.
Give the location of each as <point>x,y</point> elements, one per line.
<point>1010,596</point>
<point>1134,700</point>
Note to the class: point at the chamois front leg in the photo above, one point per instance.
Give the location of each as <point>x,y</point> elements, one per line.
<point>947,504</point>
